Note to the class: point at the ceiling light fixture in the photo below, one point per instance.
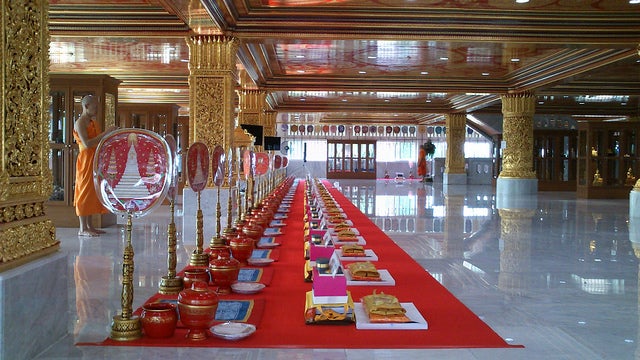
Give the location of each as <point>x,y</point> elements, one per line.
<point>515,60</point>
<point>444,58</point>
<point>633,2</point>
<point>424,73</point>
<point>485,74</point>
<point>522,1</point>
<point>362,72</point>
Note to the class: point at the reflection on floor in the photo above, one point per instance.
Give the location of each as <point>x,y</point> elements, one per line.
<point>558,275</point>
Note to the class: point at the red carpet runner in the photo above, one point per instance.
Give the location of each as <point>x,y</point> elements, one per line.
<point>282,325</point>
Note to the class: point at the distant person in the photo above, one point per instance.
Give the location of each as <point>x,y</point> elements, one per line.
<point>85,132</point>
<point>422,162</point>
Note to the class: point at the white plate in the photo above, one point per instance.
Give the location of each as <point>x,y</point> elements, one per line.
<point>259,261</point>
<point>418,322</point>
<point>369,255</point>
<point>359,241</point>
<point>233,330</point>
<point>385,279</point>
<point>245,287</point>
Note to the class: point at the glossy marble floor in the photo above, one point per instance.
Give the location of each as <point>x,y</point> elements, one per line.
<point>555,274</point>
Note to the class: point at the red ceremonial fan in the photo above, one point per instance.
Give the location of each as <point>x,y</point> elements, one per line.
<point>132,171</point>
<point>198,166</point>
<point>248,163</point>
<point>217,165</point>
<point>277,162</point>
<point>262,163</point>
<point>173,151</point>
<point>285,161</point>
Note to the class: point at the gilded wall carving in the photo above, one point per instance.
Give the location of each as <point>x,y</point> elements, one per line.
<point>208,121</point>
<point>25,178</point>
<point>456,126</point>
<point>25,240</point>
<point>517,132</point>
<point>212,81</point>
<point>270,123</point>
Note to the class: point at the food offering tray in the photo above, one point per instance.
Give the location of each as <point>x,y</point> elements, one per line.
<point>329,314</point>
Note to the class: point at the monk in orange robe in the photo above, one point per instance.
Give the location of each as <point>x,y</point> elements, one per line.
<point>422,162</point>
<point>86,134</point>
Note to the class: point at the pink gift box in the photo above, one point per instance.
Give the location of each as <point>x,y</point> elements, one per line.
<point>328,285</point>
<point>316,251</point>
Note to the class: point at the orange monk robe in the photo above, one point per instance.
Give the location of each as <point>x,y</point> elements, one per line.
<point>422,163</point>
<point>85,198</point>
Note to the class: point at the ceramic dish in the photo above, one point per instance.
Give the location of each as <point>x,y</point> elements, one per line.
<point>259,261</point>
<point>233,331</point>
<point>245,287</point>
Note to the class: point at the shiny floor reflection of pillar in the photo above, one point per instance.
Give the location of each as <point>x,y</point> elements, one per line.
<point>557,274</point>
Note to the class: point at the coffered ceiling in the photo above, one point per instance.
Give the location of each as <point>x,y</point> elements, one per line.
<point>370,61</point>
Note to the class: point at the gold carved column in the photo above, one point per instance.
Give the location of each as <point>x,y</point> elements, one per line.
<point>269,122</point>
<point>252,103</point>
<point>454,163</point>
<point>212,83</point>
<point>26,232</point>
<point>517,133</point>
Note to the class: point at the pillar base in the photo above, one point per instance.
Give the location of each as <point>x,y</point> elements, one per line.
<point>34,308</point>
<point>516,193</point>
<point>454,179</point>
<point>634,204</point>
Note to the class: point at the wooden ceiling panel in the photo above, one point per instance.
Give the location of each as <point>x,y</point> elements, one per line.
<point>368,60</point>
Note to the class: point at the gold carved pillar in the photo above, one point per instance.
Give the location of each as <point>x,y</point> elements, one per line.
<point>517,133</point>
<point>515,256</point>
<point>454,163</point>
<point>26,232</point>
<point>212,83</point>
<point>269,122</point>
<point>252,103</point>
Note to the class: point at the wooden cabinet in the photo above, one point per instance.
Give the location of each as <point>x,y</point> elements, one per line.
<point>555,159</point>
<point>351,159</point>
<point>66,93</point>
<point>162,119</point>
<point>608,159</point>
<point>159,118</point>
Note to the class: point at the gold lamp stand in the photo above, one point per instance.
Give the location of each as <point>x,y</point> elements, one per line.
<point>170,283</point>
<point>126,327</point>
<point>198,257</point>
